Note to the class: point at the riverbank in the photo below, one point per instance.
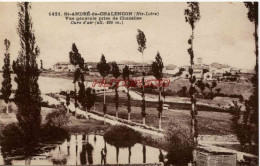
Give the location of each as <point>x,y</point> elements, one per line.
<point>75,125</point>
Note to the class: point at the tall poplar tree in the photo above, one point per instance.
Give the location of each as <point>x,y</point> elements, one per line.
<point>104,69</point>
<point>252,103</point>
<point>141,40</point>
<point>6,84</point>
<point>192,15</point>
<point>27,95</point>
<point>78,62</point>
<point>126,77</point>
<point>116,73</point>
<point>157,70</point>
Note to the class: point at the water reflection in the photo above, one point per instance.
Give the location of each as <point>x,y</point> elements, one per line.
<point>129,156</point>
<point>86,149</point>
<point>144,154</point>
<point>86,152</point>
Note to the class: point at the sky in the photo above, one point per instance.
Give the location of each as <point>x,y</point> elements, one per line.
<point>223,34</point>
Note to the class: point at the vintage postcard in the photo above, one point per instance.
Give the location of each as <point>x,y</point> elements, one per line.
<point>129,83</point>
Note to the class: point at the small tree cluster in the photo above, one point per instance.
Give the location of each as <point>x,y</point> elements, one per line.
<point>87,97</point>
<point>241,123</point>
<point>211,87</point>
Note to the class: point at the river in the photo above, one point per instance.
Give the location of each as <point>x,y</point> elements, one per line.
<point>82,150</point>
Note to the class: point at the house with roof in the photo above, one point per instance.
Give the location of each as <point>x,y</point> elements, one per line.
<point>64,67</point>
<point>170,69</point>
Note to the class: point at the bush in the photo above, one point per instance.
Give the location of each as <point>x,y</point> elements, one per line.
<point>57,118</point>
<point>122,136</point>
<point>11,138</point>
<point>15,142</point>
<point>179,144</point>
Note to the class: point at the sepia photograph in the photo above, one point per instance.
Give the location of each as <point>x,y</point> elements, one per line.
<point>129,83</point>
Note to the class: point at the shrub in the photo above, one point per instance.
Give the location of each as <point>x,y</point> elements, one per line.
<point>11,137</point>
<point>16,142</point>
<point>122,136</point>
<point>57,118</point>
<point>179,143</point>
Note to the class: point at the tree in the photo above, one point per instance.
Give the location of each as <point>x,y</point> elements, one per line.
<point>6,84</point>
<point>90,98</point>
<point>116,73</point>
<point>252,102</point>
<point>218,90</point>
<point>68,100</point>
<point>27,95</point>
<point>78,62</point>
<point>157,68</point>
<point>184,91</point>
<point>253,17</point>
<point>241,123</point>
<point>126,77</point>
<point>75,57</point>
<point>192,15</point>
<point>179,143</point>
<point>87,97</point>
<point>211,87</point>
<point>141,40</point>
<point>201,86</point>
<point>104,70</point>
<point>82,96</point>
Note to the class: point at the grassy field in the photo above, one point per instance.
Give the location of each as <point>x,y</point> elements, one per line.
<point>209,122</point>
<point>218,102</point>
<point>74,126</point>
<point>215,123</point>
<point>226,87</point>
<point>11,117</point>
